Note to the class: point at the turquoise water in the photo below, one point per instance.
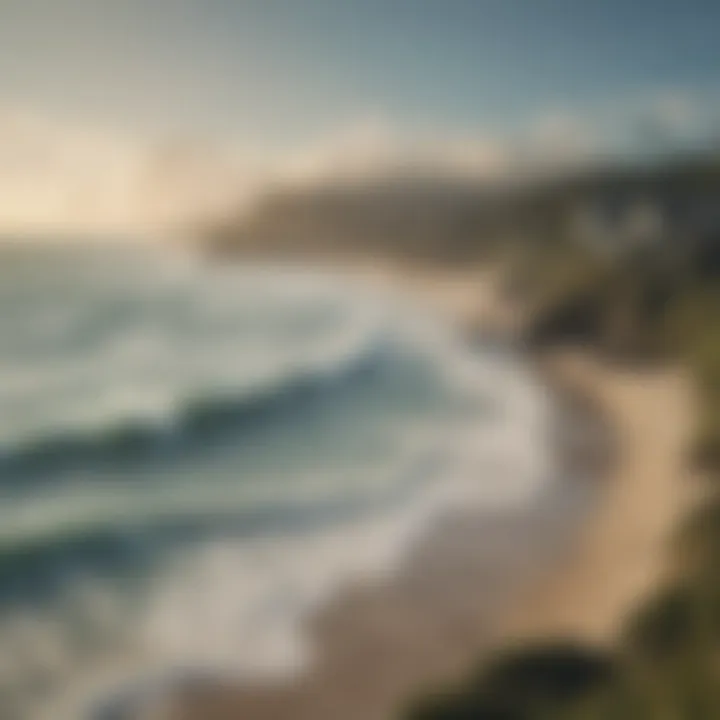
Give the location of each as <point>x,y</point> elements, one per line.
<point>193,457</point>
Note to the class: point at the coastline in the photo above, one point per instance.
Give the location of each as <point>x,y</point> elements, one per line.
<point>380,646</point>
<point>448,609</point>
<point>621,554</point>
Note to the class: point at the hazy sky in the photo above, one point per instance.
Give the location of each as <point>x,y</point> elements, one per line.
<point>272,76</point>
<point>282,70</point>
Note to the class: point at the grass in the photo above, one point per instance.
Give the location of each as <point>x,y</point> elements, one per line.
<point>667,664</point>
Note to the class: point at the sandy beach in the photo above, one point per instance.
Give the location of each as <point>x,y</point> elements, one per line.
<point>574,567</point>
<point>621,554</point>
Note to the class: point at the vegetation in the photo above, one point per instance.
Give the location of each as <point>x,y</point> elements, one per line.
<point>641,302</point>
<point>653,304</point>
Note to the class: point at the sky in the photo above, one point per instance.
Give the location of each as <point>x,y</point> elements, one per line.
<point>337,83</point>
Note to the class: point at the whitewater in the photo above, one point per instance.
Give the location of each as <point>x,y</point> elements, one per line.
<point>194,457</point>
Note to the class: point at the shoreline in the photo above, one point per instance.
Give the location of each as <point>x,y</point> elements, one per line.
<point>622,553</point>
<point>448,606</point>
<point>601,570</point>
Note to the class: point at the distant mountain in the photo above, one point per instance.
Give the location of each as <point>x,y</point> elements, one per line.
<point>420,216</point>
<point>456,219</point>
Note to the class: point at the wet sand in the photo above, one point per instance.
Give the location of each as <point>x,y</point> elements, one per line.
<point>377,645</point>
<point>572,565</point>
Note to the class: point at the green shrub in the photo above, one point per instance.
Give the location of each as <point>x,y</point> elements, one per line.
<point>698,540</point>
<point>524,683</point>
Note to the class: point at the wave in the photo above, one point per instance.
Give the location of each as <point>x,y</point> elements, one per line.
<point>130,536</point>
<point>213,460</point>
<point>194,424</point>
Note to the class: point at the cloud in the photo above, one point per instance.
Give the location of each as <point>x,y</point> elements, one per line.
<point>374,148</point>
<point>53,174</point>
<point>561,140</point>
<point>676,112</point>
<point>61,177</point>
<point>678,119</point>
<point>58,177</point>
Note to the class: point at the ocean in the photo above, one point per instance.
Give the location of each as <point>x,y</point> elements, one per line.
<point>195,456</point>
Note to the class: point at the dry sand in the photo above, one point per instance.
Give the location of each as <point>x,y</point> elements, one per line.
<point>381,645</point>
<point>622,551</point>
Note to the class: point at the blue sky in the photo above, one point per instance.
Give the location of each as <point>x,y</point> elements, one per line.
<point>115,112</point>
<point>283,71</point>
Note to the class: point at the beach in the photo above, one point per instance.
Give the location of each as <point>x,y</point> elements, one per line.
<point>243,472</point>
<point>535,502</point>
<point>623,552</point>
<point>575,567</point>
<point>360,360</point>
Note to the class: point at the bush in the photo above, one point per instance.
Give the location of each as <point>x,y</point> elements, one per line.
<point>523,684</point>
<point>680,621</point>
<point>462,705</point>
<point>550,674</point>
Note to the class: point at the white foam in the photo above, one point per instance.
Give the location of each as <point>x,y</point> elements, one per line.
<point>239,606</point>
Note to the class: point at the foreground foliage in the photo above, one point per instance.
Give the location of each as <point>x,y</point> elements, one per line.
<point>658,304</point>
